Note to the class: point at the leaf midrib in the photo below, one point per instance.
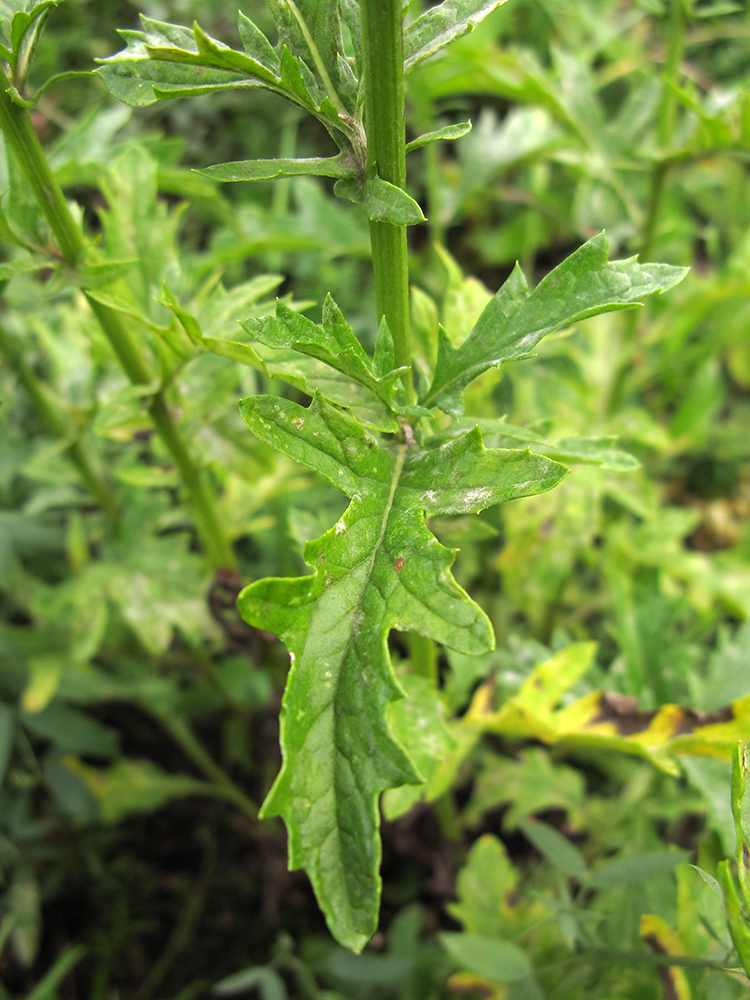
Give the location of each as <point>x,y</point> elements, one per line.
<point>356,613</point>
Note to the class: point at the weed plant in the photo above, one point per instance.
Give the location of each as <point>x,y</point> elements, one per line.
<point>510,596</point>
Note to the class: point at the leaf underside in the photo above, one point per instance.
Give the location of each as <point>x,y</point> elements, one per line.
<point>378,569</point>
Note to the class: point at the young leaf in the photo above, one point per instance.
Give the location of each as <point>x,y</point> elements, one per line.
<point>266,170</point>
<point>440,25</point>
<point>515,321</point>
<point>379,568</point>
<point>384,202</point>
<point>449,132</point>
<point>333,343</point>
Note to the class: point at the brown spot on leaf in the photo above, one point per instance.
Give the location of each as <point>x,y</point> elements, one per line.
<point>399,564</point>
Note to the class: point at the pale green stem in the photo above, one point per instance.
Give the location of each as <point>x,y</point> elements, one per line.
<point>386,141</point>
<point>666,122</point>
<point>21,137</point>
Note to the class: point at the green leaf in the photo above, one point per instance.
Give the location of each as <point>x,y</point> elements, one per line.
<point>134,786</point>
<point>515,321</point>
<point>21,26</point>
<point>384,202</point>
<point>595,451</point>
<point>266,170</point>
<point>449,132</point>
<point>556,848</point>
<point>483,887</point>
<point>72,731</point>
<point>491,957</point>
<point>25,265</point>
<point>311,29</point>
<point>379,568</point>
<point>440,25</point>
<point>47,988</point>
<point>265,979</point>
<point>257,45</point>
<point>333,343</point>
<point>418,723</point>
<point>163,62</point>
<point>636,867</point>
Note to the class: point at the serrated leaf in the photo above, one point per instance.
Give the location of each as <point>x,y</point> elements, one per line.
<point>595,451</point>
<point>514,321</point>
<point>266,170</point>
<point>333,343</point>
<point>379,568</point>
<point>163,61</point>
<point>448,133</point>
<point>440,25</point>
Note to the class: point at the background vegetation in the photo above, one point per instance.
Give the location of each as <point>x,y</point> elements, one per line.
<point>138,714</point>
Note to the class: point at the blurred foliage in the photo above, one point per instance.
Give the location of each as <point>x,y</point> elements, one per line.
<point>137,711</point>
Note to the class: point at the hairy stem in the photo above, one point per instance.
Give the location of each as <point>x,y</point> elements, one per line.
<point>384,123</point>
<point>16,125</point>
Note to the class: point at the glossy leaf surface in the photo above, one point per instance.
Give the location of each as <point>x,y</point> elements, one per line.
<point>379,568</point>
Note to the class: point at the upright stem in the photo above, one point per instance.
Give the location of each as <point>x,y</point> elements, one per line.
<point>384,123</point>
<point>665,126</point>
<point>21,137</point>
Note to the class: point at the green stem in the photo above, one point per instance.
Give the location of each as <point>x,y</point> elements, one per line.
<point>16,125</point>
<point>183,736</point>
<point>671,71</point>
<point>382,44</point>
<point>666,121</point>
<point>84,461</point>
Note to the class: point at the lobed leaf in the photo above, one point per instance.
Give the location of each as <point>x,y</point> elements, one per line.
<point>440,25</point>
<point>333,343</point>
<point>379,568</point>
<point>514,321</point>
<point>165,61</point>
